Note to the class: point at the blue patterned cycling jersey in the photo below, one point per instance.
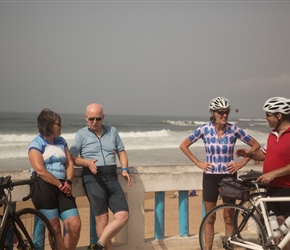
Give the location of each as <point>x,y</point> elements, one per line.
<point>219,151</point>
<point>54,156</point>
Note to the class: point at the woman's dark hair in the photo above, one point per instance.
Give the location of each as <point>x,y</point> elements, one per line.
<point>212,118</point>
<point>45,121</point>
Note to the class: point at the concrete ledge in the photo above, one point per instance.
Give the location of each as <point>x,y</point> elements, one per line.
<point>144,179</point>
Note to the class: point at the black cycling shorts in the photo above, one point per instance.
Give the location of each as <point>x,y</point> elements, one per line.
<point>104,190</point>
<point>47,196</point>
<point>279,208</point>
<point>106,194</point>
<point>211,186</point>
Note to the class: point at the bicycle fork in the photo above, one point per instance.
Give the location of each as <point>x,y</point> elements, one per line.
<point>13,219</point>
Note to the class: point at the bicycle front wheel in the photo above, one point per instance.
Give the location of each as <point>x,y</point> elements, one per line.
<point>37,232</point>
<point>221,229</point>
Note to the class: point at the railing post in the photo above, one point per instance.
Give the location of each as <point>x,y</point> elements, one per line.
<point>39,229</point>
<point>93,233</point>
<point>159,216</point>
<point>203,209</point>
<point>10,235</point>
<point>183,213</point>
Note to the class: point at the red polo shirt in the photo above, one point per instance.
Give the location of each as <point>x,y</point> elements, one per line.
<point>277,152</point>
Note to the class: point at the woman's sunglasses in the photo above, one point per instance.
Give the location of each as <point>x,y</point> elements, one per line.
<point>221,113</point>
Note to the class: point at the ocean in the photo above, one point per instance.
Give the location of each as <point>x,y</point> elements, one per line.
<point>148,140</point>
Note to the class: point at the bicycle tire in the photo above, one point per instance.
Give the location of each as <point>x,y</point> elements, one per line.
<point>216,231</point>
<point>38,228</point>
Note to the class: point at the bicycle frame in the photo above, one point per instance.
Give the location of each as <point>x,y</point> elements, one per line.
<point>9,211</point>
<point>261,202</point>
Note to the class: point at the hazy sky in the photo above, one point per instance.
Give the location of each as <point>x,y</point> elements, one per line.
<point>143,57</point>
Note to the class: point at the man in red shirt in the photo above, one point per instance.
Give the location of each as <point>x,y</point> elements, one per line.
<point>276,155</point>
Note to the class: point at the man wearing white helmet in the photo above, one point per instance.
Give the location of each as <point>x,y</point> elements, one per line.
<point>276,155</point>
<point>219,139</point>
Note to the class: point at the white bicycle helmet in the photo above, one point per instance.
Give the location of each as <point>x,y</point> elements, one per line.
<point>219,103</point>
<point>277,105</point>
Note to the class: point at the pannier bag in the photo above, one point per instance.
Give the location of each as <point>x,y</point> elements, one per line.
<point>234,189</point>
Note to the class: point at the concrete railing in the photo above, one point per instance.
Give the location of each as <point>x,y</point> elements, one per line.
<point>156,179</point>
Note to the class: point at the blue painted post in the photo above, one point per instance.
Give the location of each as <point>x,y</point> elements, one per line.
<point>10,235</point>
<point>203,209</point>
<point>39,231</point>
<point>183,213</point>
<point>159,216</point>
<point>93,233</point>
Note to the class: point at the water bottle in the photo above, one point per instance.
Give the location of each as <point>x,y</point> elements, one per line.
<point>274,224</point>
<point>285,227</point>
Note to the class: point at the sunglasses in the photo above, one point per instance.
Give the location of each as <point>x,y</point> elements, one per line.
<point>223,112</point>
<point>95,118</point>
<point>269,114</point>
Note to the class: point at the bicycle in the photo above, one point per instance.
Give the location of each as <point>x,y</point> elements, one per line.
<point>26,229</point>
<point>241,228</point>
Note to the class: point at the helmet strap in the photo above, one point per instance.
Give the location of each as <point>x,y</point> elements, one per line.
<point>279,120</point>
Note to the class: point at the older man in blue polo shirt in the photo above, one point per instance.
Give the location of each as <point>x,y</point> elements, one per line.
<point>95,148</point>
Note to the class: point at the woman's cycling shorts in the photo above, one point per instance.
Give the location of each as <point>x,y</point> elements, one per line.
<point>211,187</point>
<point>52,202</point>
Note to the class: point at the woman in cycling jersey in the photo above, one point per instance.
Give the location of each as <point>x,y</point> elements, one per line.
<point>219,138</point>
<point>50,158</point>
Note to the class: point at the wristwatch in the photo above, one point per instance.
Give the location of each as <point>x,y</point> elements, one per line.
<point>69,181</point>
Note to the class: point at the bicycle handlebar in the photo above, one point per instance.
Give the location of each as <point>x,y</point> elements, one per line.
<point>7,183</point>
